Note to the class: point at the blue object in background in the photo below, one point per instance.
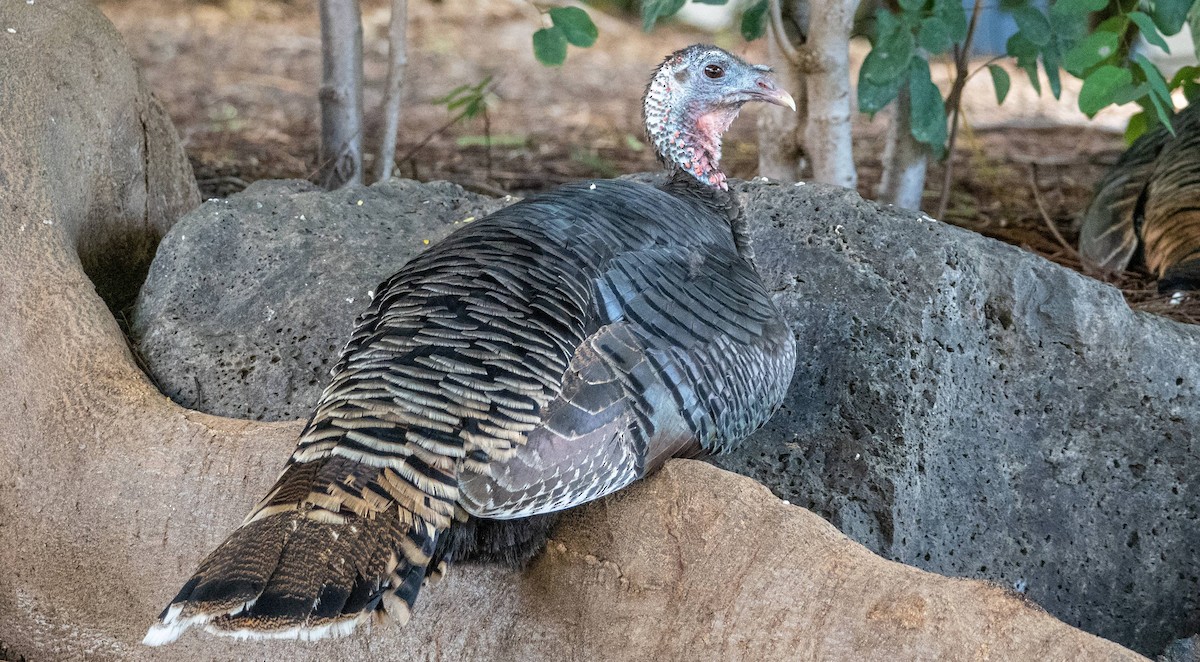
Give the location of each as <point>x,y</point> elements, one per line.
<point>994,27</point>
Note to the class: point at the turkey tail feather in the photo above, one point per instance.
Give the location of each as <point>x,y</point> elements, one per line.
<point>306,572</point>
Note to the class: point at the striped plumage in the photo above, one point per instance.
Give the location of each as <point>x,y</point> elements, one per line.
<point>537,359</point>
<point>1146,211</point>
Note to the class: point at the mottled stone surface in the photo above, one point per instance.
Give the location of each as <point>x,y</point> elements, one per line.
<point>251,298</point>
<point>972,409</point>
<point>959,405</point>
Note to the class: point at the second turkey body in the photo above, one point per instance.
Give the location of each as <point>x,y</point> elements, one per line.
<point>1146,211</point>
<point>542,357</point>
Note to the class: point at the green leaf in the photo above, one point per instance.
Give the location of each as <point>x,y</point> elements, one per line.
<point>1051,61</point>
<point>1021,48</point>
<point>1000,80</point>
<point>652,10</point>
<point>754,21</point>
<point>885,24</point>
<point>1149,30</point>
<point>1185,74</point>
<point>1090,51</point>
<point>1162,111</point>
<point>934,36</point>
<point>1069,28</point>
<point>1077,7</point>
<point>912,5</point>
<point>1153,76</point>
<point>1117,24</point>
<point>1130,92</point>
<point>452,94</point>
<point>873,97</point>
<point>1033,25</point>
<point>1191,92</point>
<point>889,58</point>
<point>550,46</point>
<point>1026,53</point>
<point>1100,86</point>
<point>954,17</point>
<point>1138,125</point>
<point>1169,15</point>
<point>1187,80</point>
<point>928,116</point>
<point>576,25</point>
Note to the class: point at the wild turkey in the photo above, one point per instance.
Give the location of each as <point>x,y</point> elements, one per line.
<point>542,357</point>
<point>1146,211</point>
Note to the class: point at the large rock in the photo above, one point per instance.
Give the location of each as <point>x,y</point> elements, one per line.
<point>272,281</point>
<point>959,405</point>
<point>972,409</point>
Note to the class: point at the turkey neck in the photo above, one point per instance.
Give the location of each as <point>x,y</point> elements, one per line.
<point>722,202</point>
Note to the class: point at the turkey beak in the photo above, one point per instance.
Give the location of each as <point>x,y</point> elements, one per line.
<point>767,90</point>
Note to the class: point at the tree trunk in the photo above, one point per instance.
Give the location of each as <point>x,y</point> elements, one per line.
<point>781,131</point>
<point>341,94</point>
<point>397,60</point>
<point>904,159</point>
<point>827,65</point>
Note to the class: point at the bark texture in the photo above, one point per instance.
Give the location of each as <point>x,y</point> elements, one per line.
<point>827,136</point>
<point>810,45</point>
<point>110,493</point>
<point>904,159</point>
<point>394,91</point>
<point>781,131</point>
<point>341,93</point>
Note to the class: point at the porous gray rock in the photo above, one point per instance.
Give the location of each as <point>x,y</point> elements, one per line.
<point>958,405</point>
<point>975,410</point>
<point>251,298</point>
<point>1182,650</point>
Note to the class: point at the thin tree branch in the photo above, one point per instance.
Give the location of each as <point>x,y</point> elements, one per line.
<point>425,141</point>
<point>954,102</point>
<point>397,61</point>
<point>341,93</point>
<point>904,159</point>
<point>780,34</point>
<point>828,137</point>
<point>1037,198</point>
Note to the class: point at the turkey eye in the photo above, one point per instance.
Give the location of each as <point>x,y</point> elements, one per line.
<point>714,71</point>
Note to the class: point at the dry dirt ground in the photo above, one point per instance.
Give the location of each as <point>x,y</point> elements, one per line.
<point>239,78</point>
